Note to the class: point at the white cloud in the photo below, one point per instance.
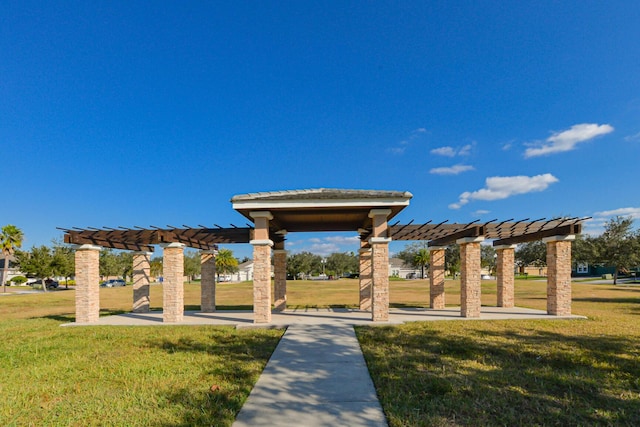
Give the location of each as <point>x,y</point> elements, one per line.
<point>401,146</point>
<point>451,170</point>
<point>444,151</point>
<point>325,246</point>
<point>507,146</point>
<point>465,151</point>
<point>343,240</point>
<point>480,212</point>
<point>635,137</point>
<point>448,151</point>
<point>502,187</point>
<point>323,249</point>
<point>568,139</point>
<point>595,225</point>
<point>632,212</point>
<point>397,150</point>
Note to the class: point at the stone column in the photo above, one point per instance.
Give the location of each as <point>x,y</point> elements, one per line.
<point>261,267</point>
<point>173,282</point>
<point>470,290</point>
<point>87,283</point>
<point>280,277</point>
<point>436,277</point>
<point>141,280</point>
<point>208,281</point>
<point>505,272</point>
<point>366,277</point>
<point>379,243</point>
<point>559,274</point>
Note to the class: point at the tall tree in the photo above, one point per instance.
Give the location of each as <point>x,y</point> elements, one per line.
<point>38,261</point>
<point>10,239</point>
<point>415,254</point>
<point>421,258</point>
<point>488,258</point>
<point>125,264</point>
<point>155,266</point>
<point>452,259</point>
<point>63,262</point>
<point>192,264</point>
<point>109,263</point>
<point>341,263</point>
<point>303,263</point>
<point>531,253</point>
<point>226,263</point>
<point>619,245</point>
<point>584,249</point>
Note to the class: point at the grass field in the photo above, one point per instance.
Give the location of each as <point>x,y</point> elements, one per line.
<point>529,372</point>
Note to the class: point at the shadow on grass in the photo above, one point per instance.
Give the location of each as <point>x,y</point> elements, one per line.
<point>71,317</point>
<point>65,318</point>
<point>610,300</point>
<point>236,363</point>
<point>482,377</point>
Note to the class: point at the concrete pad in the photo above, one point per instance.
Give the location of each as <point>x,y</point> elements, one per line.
<point>317,376</point>
<point>332,316</point>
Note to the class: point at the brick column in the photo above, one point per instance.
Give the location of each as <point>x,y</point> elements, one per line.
<point>379,243</point>
<point>366,277</point>
<point>436,277</point>
<point>208,281</point>
<point>280,277</point>
<point>505,271</point>
<point>87,283</point>
<point>173,282</point>
<point>141,280</point>
<point>470,276</point>
<point>559,274</point>
<point>261,267</point>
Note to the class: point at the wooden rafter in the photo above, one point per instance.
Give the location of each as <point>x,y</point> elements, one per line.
<point>502,232</point>
<point>142,239</point>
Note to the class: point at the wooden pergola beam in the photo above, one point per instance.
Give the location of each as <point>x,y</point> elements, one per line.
<point>474,231</point>
<point>142,239</point>
<point>114,244</point>
<point>564,230</point>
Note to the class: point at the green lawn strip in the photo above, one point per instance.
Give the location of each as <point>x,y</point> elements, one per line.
<point>525,372</point>
<point>127,375</point>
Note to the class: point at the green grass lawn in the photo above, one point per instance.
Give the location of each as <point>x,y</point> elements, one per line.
<point>528,372</point>
<point>122,376</point>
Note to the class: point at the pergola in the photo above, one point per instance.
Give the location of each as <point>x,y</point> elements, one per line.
<point>367,212</point>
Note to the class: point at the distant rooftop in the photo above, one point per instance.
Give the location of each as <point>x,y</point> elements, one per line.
<point>322,194</point>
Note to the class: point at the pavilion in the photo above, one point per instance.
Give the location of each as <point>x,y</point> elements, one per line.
<point>367,212</point>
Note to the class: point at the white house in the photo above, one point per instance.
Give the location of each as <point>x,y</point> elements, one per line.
<point>397,268</point>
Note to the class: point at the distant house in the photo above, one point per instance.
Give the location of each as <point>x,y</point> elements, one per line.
<point>397,268</point>
<point>12,272</point>
<point>584,269</point>
<point>244,273</point>
<point>533,270</point>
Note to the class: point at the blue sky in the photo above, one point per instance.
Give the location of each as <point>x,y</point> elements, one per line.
<point>155,113</point>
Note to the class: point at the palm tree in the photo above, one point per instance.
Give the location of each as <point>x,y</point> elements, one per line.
<point>10,239</point>
<point>421,258</point>
<point>225,262</point>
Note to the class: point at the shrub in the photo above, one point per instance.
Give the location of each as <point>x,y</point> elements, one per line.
<point>19,280</point>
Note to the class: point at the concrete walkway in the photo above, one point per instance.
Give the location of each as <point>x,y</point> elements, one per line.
<point>317,376</point>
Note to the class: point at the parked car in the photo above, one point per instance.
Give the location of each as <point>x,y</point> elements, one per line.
<point>51,284</point>
<point>113,283</point>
